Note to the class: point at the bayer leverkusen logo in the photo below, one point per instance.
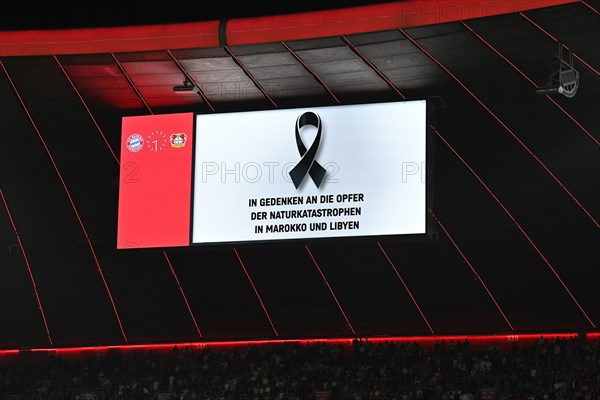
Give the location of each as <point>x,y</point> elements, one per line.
<point>135,142</point>
<point>178,139</point>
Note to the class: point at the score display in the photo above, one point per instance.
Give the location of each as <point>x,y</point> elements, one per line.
<point>302,173</point>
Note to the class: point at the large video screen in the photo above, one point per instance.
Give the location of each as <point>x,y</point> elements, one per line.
<point>255,176</point>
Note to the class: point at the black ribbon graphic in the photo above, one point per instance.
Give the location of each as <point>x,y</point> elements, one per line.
<point>308,164</point>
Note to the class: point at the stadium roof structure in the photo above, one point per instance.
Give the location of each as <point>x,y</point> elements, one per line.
<point>516,199</point>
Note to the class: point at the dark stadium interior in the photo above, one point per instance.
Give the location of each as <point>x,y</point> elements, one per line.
<point>516,191</point>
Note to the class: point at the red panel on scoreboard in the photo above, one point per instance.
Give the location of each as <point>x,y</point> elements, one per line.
<point>155,181</point>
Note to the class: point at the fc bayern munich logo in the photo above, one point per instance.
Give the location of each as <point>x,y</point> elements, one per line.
<point>135,143</point>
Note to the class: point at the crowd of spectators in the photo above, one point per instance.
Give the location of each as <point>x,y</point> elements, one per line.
<point>559,369</point>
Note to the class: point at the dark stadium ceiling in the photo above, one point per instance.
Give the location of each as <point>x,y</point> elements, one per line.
<point>516,187</point>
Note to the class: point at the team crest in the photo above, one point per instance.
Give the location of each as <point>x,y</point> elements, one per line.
<point>178,139</point>
<point>135,142</point>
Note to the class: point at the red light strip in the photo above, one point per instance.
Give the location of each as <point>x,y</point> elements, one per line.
<point>590,7</point>
<point>108,39</point>
<point>464,257</point>
<point>64,185</point>
<point>366,60</point>
<point>369,18</point>
<point>187,304</point>
<point>139,94</point>
<point>531,153</point>
<point>530,81</point>
<point>426,341</point>
<point>249,75</point>
<point>517,225</point>
<point>255,291</point>
<point>330,290</point>
<point>306,67</point>
<point>406,287</point>
<point>30,273</point>
<point>373,67</point>
<point>390,84</point>
<point>239,63</point>
<point>257,84</point>
<point>395,89</point>
<point>573,119</point>
<point>259,29</point>
<point>213,109</point>
<point>556,40</point>
<point>247,72</point>
<point>191,79</point>
<point>135,89</point>
<point>86,108</point>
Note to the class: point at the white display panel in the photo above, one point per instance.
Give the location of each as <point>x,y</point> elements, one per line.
<point>373,157</point>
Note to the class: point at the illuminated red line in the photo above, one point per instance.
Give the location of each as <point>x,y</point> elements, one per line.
<point>139,94</point>
<point>257,84</point>
<point>182,293</point>
<point>557,41</point>
<point>426,341</point>
<point>135,89</point>
<point>573,119</point>
<point>539,161</point>
<point>478,36</point>
<point>306,67</point>
<point>406,287</point>
<point>191,79</point>
<point>86,108</point>
<point>389,260</point>
<point>330,290</point>
<point>249,75</point>
<point>149,110</point>
<point>64,185</point>
<point>538,251</point>
<point>439,222</point>
<point>590,7</point>
<point>464,257</point>
<point>252,31</point>
<point>314,261</point>
<point>256,291</point>
<point>373,67</point>
<point>31,278</point>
